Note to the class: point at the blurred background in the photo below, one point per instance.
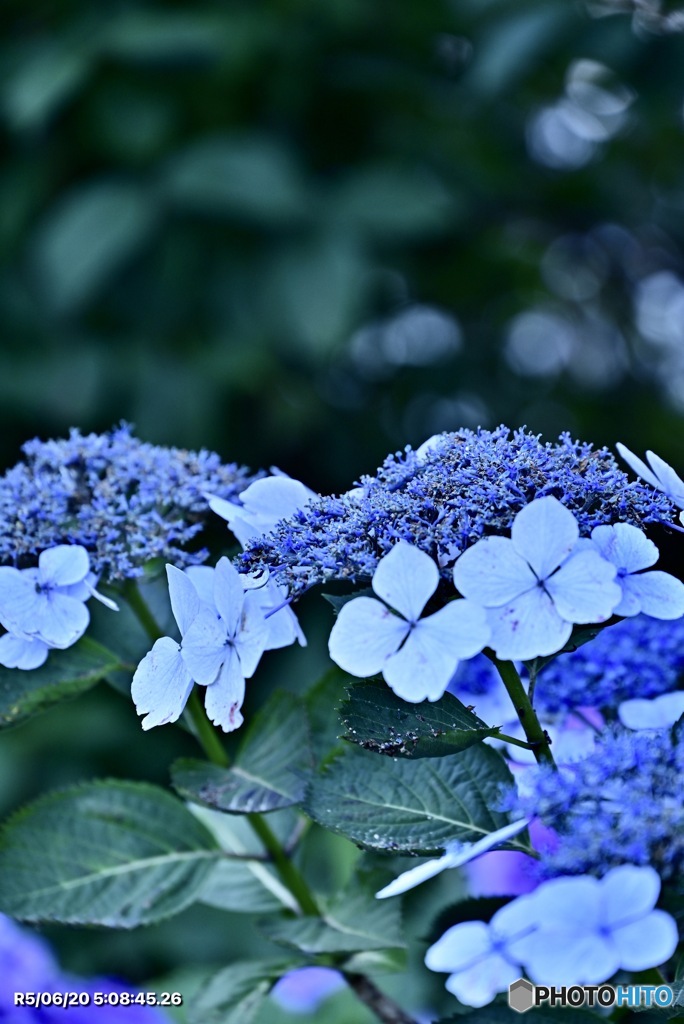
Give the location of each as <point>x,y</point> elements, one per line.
<point>306,233</point>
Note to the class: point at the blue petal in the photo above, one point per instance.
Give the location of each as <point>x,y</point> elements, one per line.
<point>185,602</point>
<point>204,647</point>
<point>64,565</point>
<point>584,588</point>
<point>58,620</point>
<point>406,579</point>
<point>544,533</point>
<point>224,698</point>
<point>625,546</point>
<point>18,652</point>
<point>229,595</point>
<point>161,684</point>
<point>365,634</point>
<point>492,573</point>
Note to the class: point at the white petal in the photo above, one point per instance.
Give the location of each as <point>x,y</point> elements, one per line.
<point>625,546</point>
<point>423,667</point>
<point>658,593</point>
<point>274,498</point>
<point>478,985</point>
<point>234,515</point>
<point>570,958</point>
<point>59,620</point>
<point>670,482</point>
<point>645,943</point>
<point>461,946</point>
<point>365,634</point>
<point>433,444</point>
<point>659,713</point>
<point>570,904</point>
<point>161,684</point>
<point>629,603</point>
<point>544,533</point>
<point>415,876</point>
<point>185,602</point>
<point>106,601</point>
<point>229,595</point>
<point>23,653</point>
<point>492,573</point>
<point>283,627</point>
<point>64,564</point>
<point>639,467</point>
<point>18,600</point>
<point>224,699</point>
<point>202,579</point>
<point>406,579</point>
<point>584,588</point>
<point>528,627</point>
<point>628,892</point>
<point>253,635</point>
<point>204,647</point>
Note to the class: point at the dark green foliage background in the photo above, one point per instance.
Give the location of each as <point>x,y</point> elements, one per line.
<point>202,204</point>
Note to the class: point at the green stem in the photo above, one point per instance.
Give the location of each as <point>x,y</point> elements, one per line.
<point>139,605</point>
<point>511,739</point>
<point>289,874</point>
<point>205,732</point>
<point>536,736</point>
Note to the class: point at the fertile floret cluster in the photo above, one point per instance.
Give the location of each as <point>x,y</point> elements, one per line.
<point>446,496</point>
<point>125,501</point>
<point>623,804</point>
<point>637,657</point>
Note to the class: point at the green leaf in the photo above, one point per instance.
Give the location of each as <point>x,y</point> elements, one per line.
<point>378,720</point>
<point>270,768</point>
<point>411,806</point>
<point>391,202</point>
<point>88,237</point>
<point>353,923</point>
<point>321,700</point>
<point>44,81</point>
<point>65,674</point>
<point>245,177</point>
<point>239,886</point>
<point>118,854</point>
<point>234,995</point>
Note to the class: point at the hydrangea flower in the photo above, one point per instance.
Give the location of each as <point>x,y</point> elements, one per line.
<point>657,473</point>
<point>534,584</point>
<point>125,501</point>
<point>657,594</point>
<point>585,929</point>
<point>261,505</point>
<point>162,683</point>
<point>417,657</point>
<point>223,645</point>
<point>456,855</point>
<point>304,989</point>
<point>659,713</point>
<point>461,487</point>
<point>620,805</point>
<point>45,607</point>
<point>479,957</point>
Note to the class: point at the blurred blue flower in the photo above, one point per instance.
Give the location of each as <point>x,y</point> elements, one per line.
<point>303,990</point>
<point>585,929</point>
<point>659,713</point>
<point>417,657</point>
<point>534,584</point>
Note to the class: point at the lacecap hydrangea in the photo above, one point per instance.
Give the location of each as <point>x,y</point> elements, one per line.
<point>444,497</point>
<point>125,501</point>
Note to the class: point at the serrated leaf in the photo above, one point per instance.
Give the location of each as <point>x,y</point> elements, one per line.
<point>269,770</point>
<point>64,675</point>
<point>234,995</point>
<point>411,806</point>
<point>119,854</point>
<point>354,923</point>
<point>378,720</point>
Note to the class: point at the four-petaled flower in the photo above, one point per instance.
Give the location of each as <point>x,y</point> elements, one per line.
<point>263,504</point>
<point>417,657</point>
<point>535,584</point>
<point>657,594</point>
<point>657,473</point>
<point>223,645</point>
<point>44,607</point>
<point>584,929</point>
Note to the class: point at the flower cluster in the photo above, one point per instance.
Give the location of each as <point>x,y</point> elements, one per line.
<point>622,804</point>
<point>125,501</point>
<point>29,966</point>
<point>443,498</point>
<point>638,657</point>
